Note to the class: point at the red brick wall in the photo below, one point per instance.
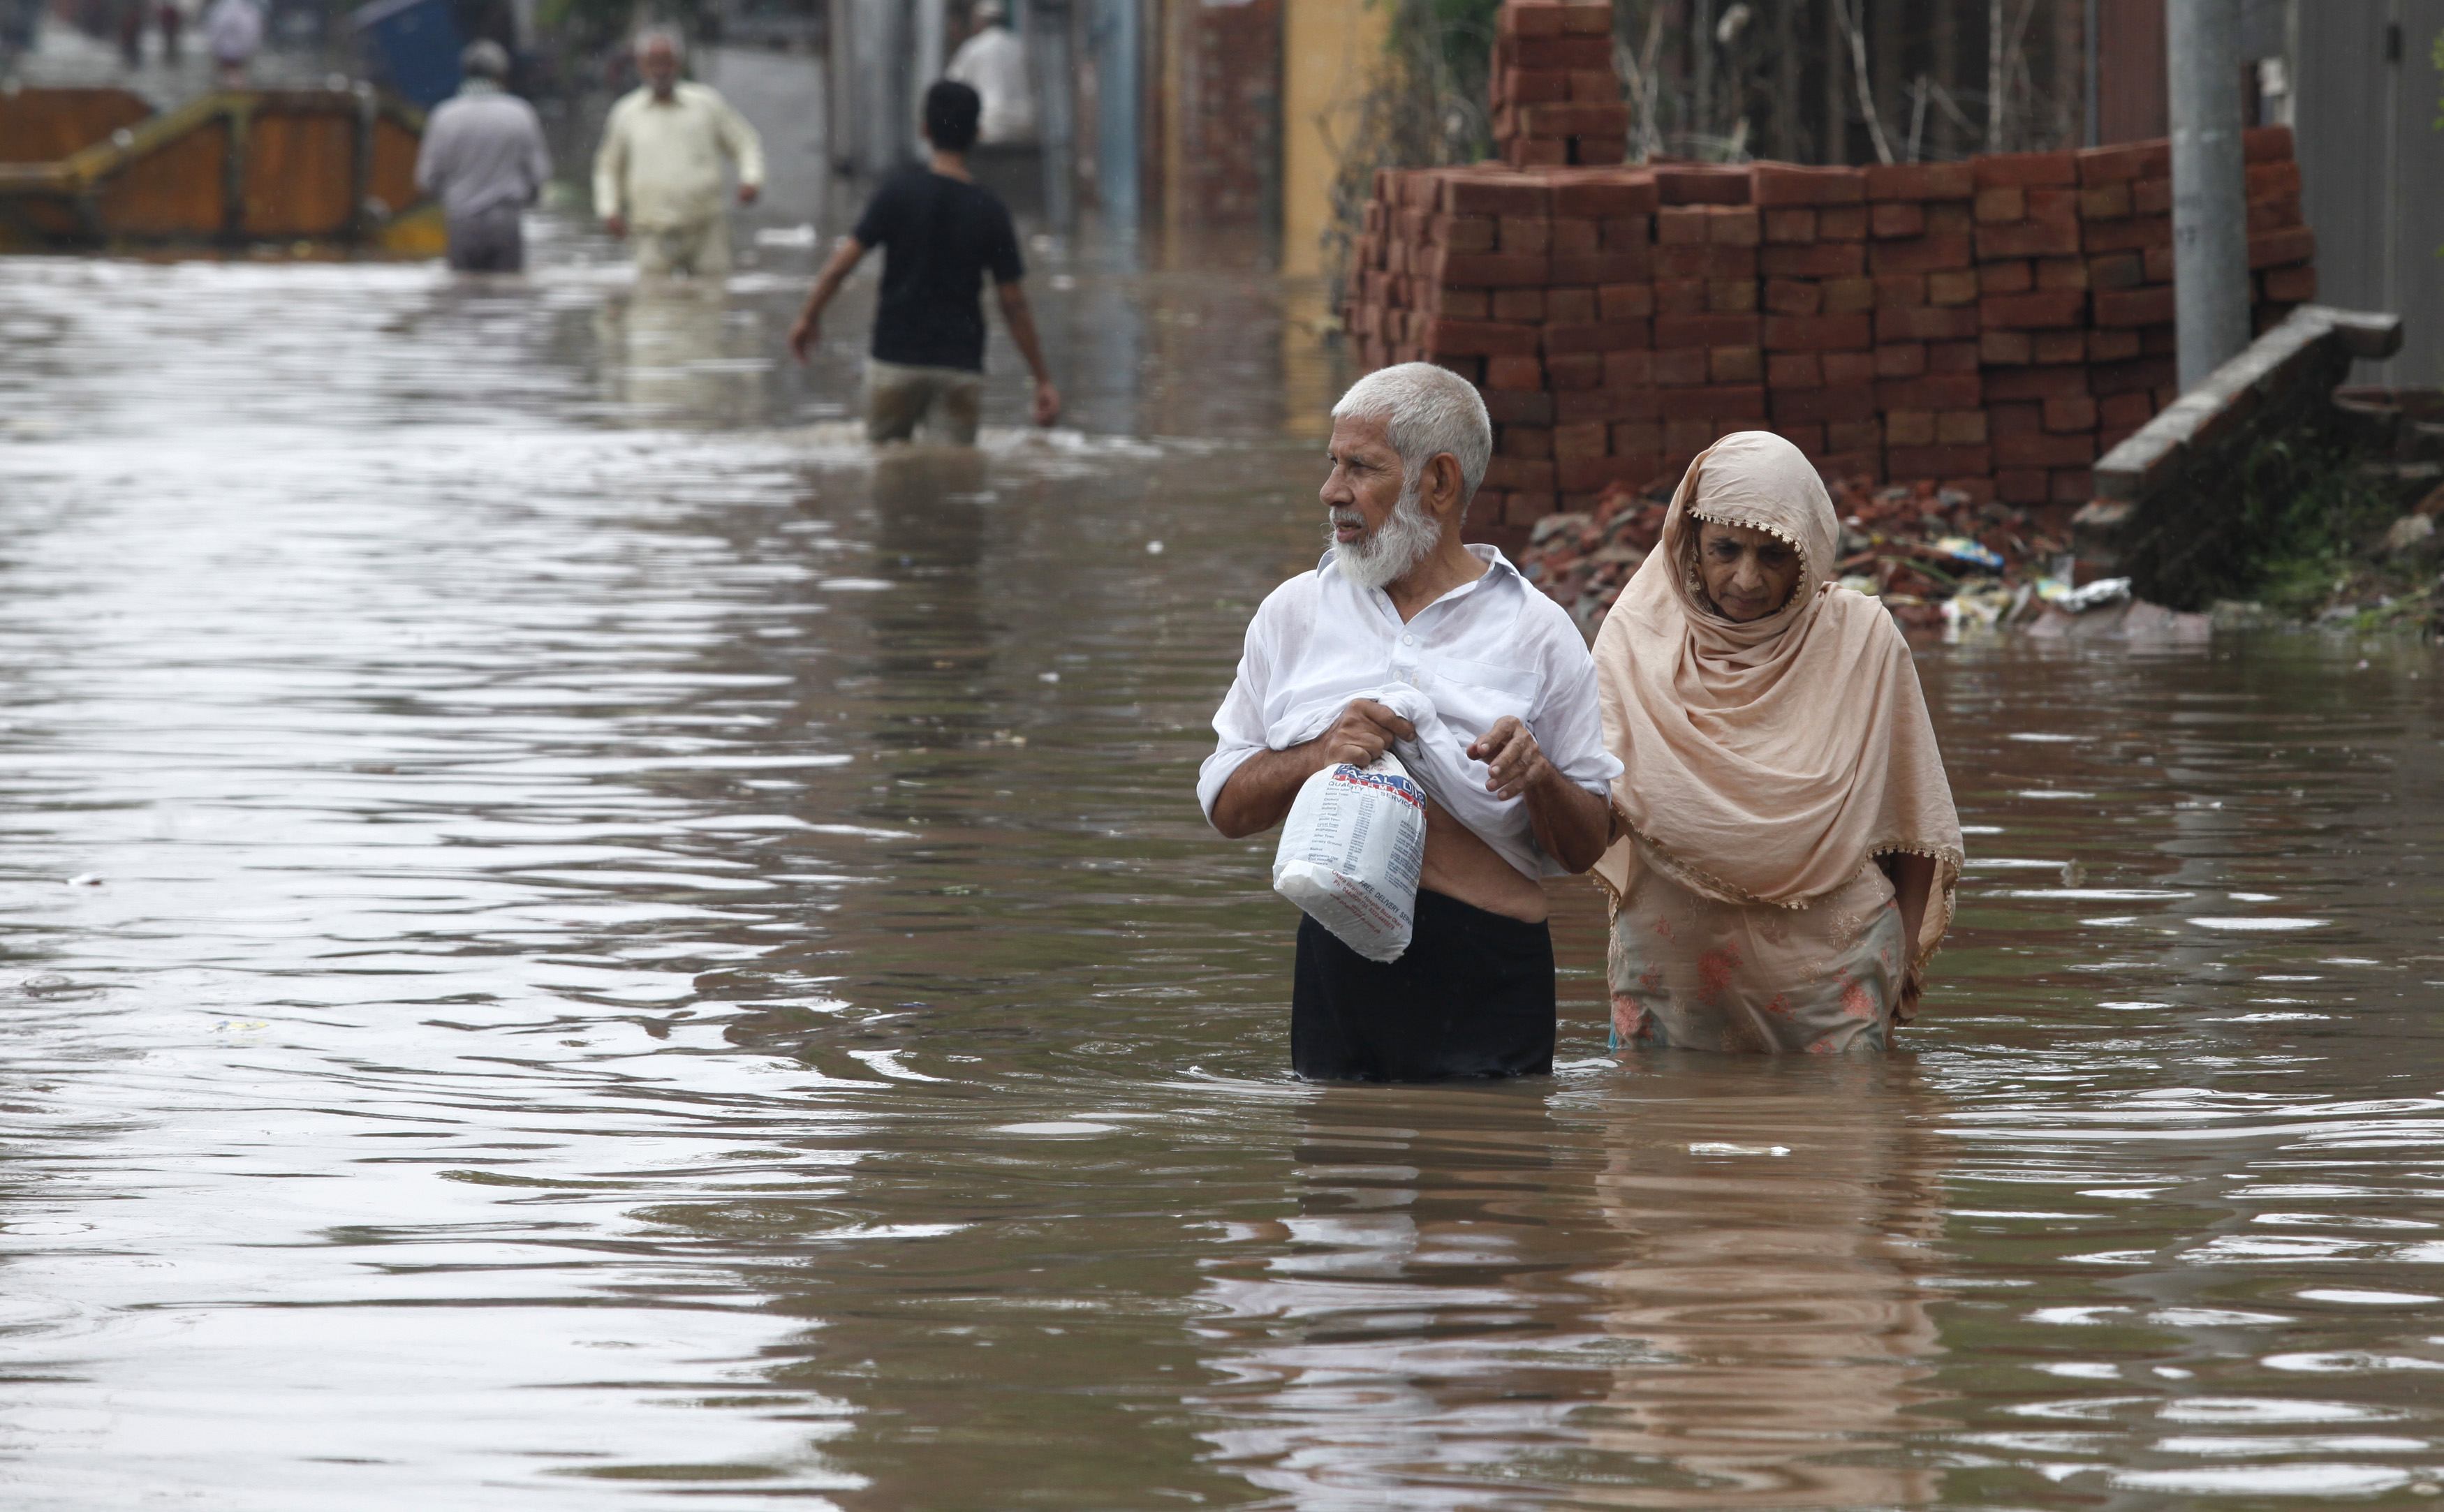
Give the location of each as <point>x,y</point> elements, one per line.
<point>1993,324</point>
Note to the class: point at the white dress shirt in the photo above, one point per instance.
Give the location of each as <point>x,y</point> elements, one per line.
<point>1486,649</point>
<point>661,161</point>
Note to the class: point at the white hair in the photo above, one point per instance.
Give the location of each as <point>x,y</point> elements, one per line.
<point>667,36</point>
<point>1427,411</point>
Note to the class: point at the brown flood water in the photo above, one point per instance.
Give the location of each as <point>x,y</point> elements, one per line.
<point>641,956</point>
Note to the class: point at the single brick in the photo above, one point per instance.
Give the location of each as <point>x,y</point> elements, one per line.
<point>2077,412</point>
<point>1849,369</point>
<point>1789,224</point>
<point>1937,461</point>
<point>1790,184</point>
<point>1849,296</point>
<point>1492,195</point>
<point>2045,450</point>
<point>2007,348</point>
<point>1679,367</point>
<point>2112,346</point>
<point>2026,170</point>
<point>1793,370</point>
<point>2036,310</point>
<point>1898,359</point>
<point>1574,235</point>
<point>2029,238</point>
<point>2023,417</point>
<point>1732,296</point>
<point>1522,233</point>
<point>1732,225</point>
<point>1523,373</point>
<point>1822,260</point>
<point>1909,427</point>
<point>1793,296</point>
<point>2060,346</point>
<point>1921,181</point>
<point>2134,306</point>
<point>1819,333</point>
<point>1825,405</point>
<point>1956,286</point>
<point>1706,330</point>
<point>1452,338</point>
<point>1629,372</point>
<point>1735,364</point>
<point>1928,254</point>
<point>2003,205</point>
<point>1519,304</point>
<point>1958,323</point>
<point>1841,223</point>
<point>1620,302</point>
<point>1595,336</point>
<point>1898,218</point>
<point>1962,392</point>
<point>2035,382</point>
<point>1961,427</point>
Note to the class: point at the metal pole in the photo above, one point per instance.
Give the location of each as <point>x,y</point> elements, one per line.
<point>1047,48</point>
<point>2209,195</point>
<point>2094,18</point>
<point>929,48</point>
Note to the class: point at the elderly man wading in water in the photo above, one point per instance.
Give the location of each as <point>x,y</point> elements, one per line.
<point>1400,602</point>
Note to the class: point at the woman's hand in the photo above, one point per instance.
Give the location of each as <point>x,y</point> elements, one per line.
<point>1516,761</point>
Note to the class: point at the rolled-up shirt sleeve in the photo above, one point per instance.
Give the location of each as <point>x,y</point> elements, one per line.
<point>1239,724</point>
<point>1569,725</point>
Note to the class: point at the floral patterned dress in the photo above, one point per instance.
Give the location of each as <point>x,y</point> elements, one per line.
<point>1690,972</point>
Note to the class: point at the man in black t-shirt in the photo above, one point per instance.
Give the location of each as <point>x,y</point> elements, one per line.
<point>940,233</point>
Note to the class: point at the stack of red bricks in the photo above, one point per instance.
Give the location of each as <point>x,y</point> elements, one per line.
<point>1929,392</point>
<point>1818,322</point>
<point>2043,358</point>
<point>1991,325</point>
<point>1538,288</point>
<point>1555,99</point>
<point>1708,337</point>
<point>2125,205</point>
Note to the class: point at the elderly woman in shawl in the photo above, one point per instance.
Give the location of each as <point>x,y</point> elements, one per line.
<point>1785,845</point>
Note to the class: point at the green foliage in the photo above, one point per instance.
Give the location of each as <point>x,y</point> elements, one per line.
<point>2305,511</point>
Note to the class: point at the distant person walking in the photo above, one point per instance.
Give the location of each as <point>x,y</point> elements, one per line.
<point>658,174</point>
<point>993,64</point>
<point>233,34</point>
<point>940,233</point>
<point>483,158</point>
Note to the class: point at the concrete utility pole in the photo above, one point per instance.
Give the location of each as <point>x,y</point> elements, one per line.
<point>2210,187</point>
<point>1047,48</point>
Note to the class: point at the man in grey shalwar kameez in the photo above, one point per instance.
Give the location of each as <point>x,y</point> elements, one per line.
<point>483,158</point>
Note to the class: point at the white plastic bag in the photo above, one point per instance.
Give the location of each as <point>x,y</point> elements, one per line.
<point>1350,852</point>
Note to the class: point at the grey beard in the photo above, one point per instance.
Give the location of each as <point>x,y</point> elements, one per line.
<point>1393,549</point>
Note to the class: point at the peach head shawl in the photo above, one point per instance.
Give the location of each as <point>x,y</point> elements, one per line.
<point>1768,762</point>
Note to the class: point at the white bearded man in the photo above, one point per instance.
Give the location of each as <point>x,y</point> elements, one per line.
<point>1400,607</point>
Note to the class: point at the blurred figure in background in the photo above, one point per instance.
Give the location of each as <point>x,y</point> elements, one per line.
<point>941,232</point>
<point>173,26</point>
<point>658,174</point>
<point>233,34</point>
<point>993,64</point>
<point>483,158</point>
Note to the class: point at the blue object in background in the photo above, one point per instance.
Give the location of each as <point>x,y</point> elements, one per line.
<point>412,46</point>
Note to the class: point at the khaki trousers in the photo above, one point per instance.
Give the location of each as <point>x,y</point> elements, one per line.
<point>701,248</point>
<point>899,398</point>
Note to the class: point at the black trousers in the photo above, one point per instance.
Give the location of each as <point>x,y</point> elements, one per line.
<point>1474,997</point>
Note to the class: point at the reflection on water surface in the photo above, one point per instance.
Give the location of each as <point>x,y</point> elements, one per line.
<point>632,949</point>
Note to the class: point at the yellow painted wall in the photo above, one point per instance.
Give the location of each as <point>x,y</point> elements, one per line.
<point>1331,49</point>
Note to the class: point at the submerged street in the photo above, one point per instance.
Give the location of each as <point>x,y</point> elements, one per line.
<point>575,937</point>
